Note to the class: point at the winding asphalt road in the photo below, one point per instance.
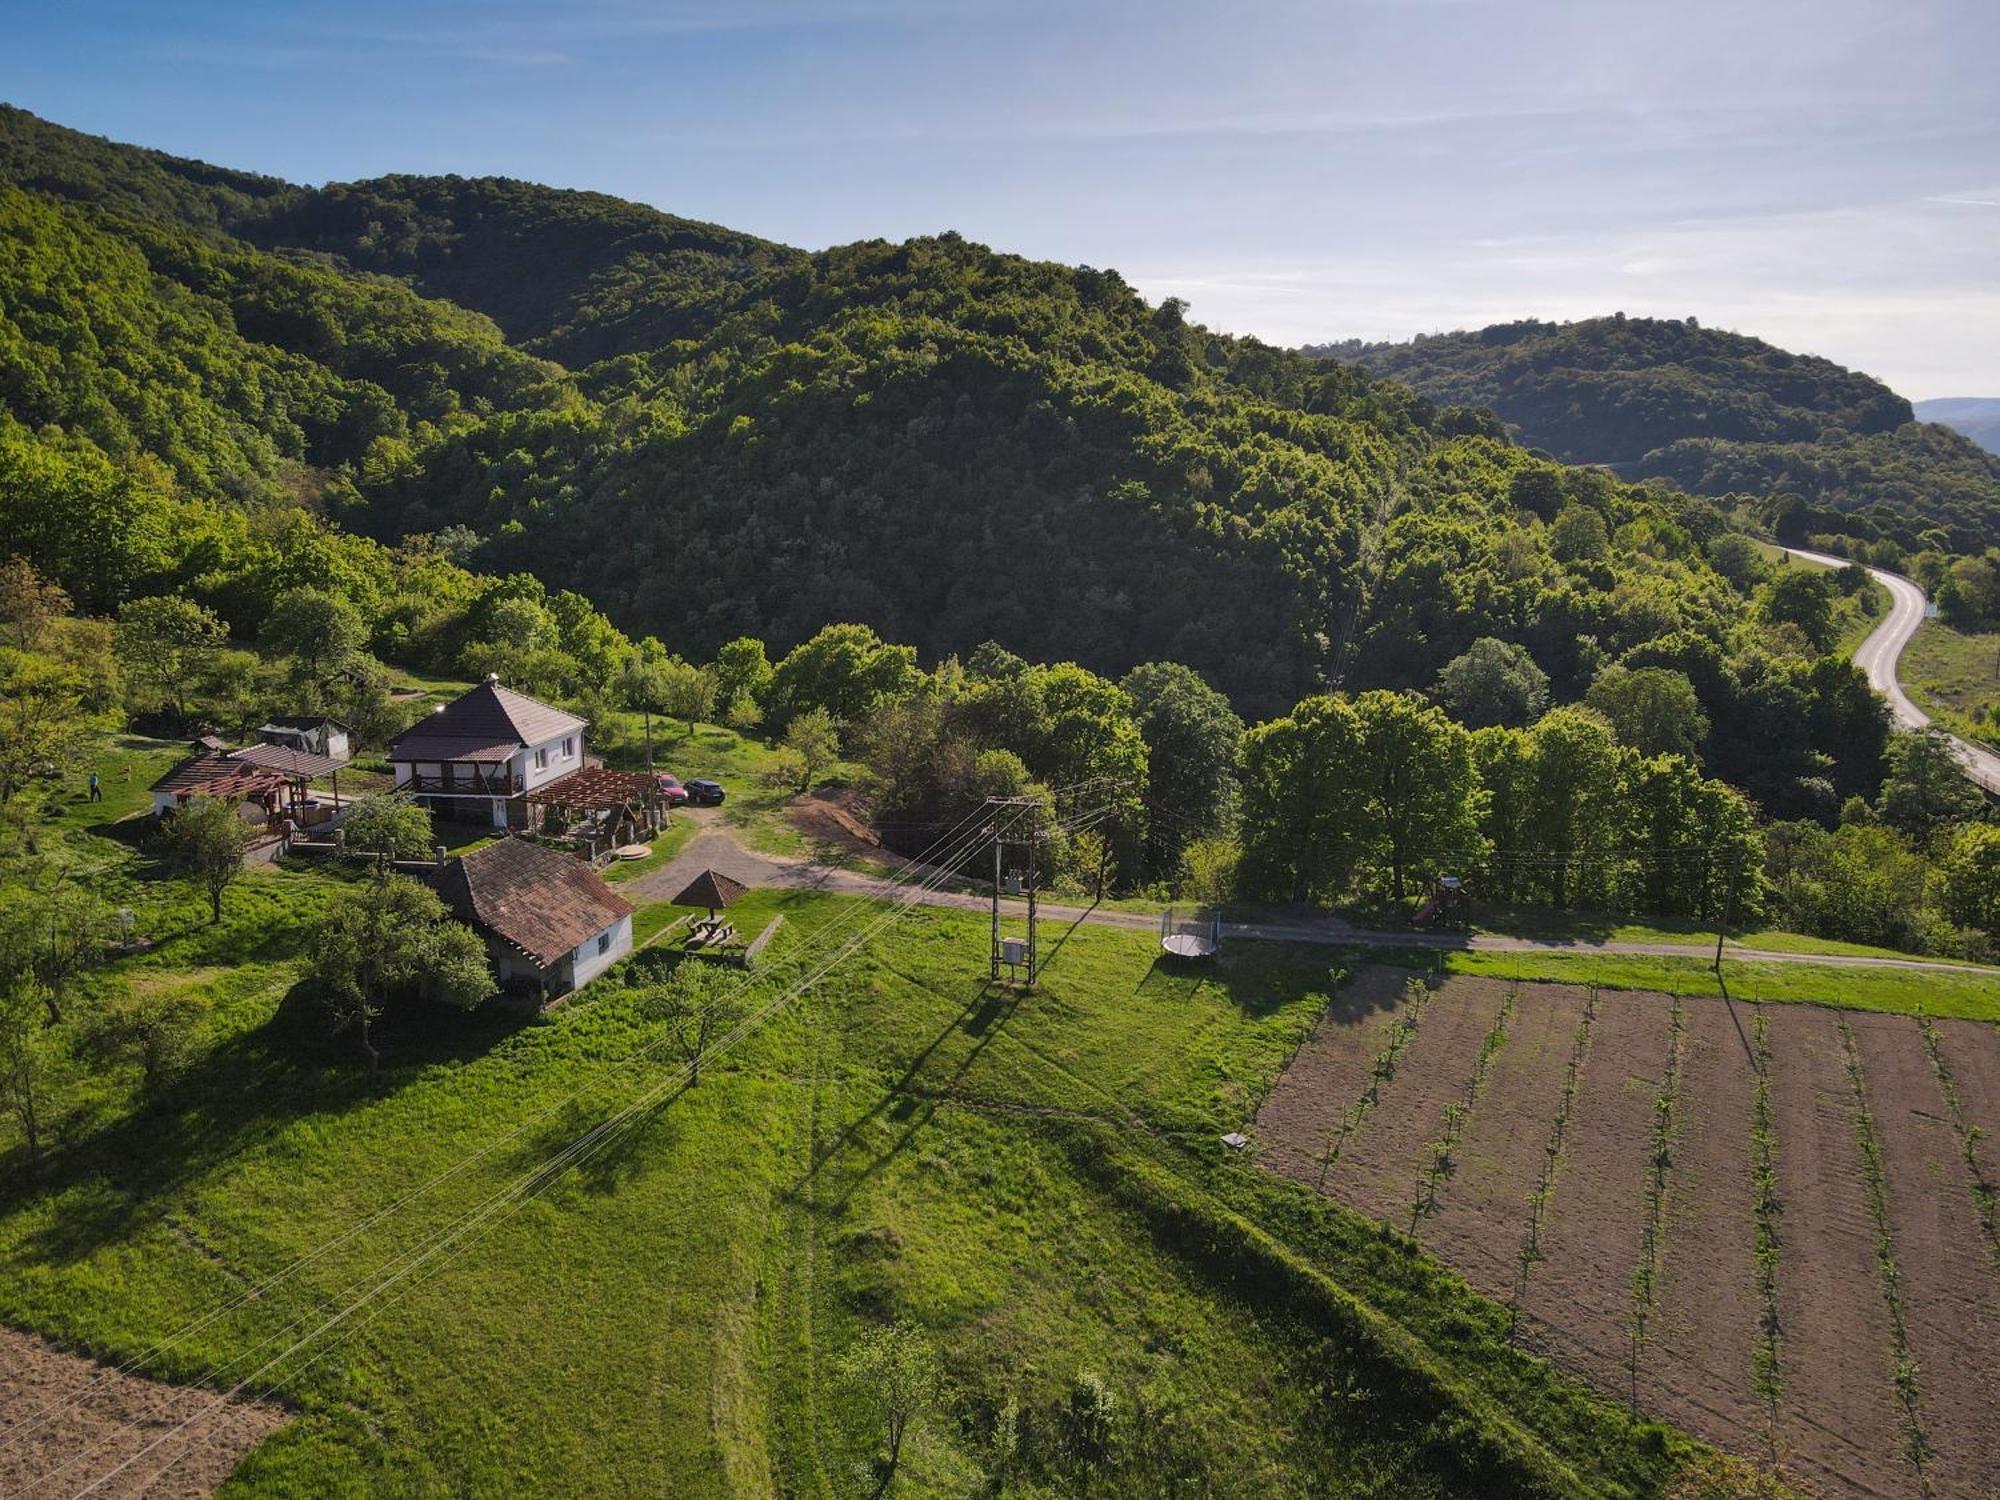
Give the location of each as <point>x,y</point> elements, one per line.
<point>1878,655</point>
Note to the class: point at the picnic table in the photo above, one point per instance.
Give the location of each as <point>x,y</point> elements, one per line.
<point>709,932</point>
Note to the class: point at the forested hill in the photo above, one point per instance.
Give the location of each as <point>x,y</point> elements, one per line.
<point>1715,412</point>
<point>946,442</point>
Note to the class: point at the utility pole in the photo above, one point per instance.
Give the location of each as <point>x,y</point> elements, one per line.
<point>1728,906</point>
<point>1008,813</point>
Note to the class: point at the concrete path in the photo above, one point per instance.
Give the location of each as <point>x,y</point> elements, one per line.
<point>1878,655</point>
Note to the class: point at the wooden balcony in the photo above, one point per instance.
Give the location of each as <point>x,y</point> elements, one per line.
<point>465,783</point>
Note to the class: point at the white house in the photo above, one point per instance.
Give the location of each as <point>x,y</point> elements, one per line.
<point>477,757</point>
<point>549,920</point>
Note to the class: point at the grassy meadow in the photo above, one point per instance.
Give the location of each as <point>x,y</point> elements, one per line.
<point>1954,677</point>
<point>1035,1180</point>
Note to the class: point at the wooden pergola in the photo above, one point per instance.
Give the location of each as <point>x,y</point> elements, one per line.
<point>633,796</point>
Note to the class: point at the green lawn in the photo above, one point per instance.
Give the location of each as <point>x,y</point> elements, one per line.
<point>1955,678</point>
<point>1943,992</point>
<point>1586,927</point>
<point>1036,1180</point>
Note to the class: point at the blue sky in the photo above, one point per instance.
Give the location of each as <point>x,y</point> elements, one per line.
<point>1823,173</point>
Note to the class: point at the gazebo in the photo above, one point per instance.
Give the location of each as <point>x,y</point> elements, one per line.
<point>714,890</point>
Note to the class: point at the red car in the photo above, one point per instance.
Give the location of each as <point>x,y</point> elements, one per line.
<point>672,793</point>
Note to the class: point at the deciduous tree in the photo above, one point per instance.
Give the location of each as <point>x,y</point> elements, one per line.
<point>387,944</point>
<point>206,838</point>
<point>165,642</point>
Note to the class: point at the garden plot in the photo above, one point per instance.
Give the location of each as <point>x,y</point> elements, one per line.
<point>1480,1223</point>
<point>1302,1119</point>
<point>1948,1289</point>
<point>1383,1156</point>
<point>1771,1225</point>
<point>67,1423</point>
<point>1698,1364</point>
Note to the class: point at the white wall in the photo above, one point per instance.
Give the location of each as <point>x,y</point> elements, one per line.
<point>558,763</point>
<point>587,963</point>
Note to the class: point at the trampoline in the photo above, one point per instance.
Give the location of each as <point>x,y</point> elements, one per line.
<point>1195,935</point>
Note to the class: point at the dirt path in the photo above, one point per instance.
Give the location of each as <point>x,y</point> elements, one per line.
<point>1377,1174</point>
<point>1577,1302</point>
<point>1837,1416</point>
<point>716,848</point>
<point>1947,1287</point>
<point>64,1452</point>
<point>1482,1213</point>
<point>1697,1369</point>
<point>1300,1114</point>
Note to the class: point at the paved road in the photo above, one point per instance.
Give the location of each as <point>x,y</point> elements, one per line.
<point>715,848</point>
<point>1878,655</point>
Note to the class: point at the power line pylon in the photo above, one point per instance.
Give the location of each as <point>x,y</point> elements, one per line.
<point>1015,823</point>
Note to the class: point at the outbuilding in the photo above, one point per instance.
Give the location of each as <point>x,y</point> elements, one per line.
<point>551,922</point>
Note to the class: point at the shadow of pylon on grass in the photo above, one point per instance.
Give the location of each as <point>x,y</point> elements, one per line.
<point>982,1018</point>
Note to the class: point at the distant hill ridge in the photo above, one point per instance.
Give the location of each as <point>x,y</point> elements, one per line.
<point>1714,411</point>
<point>1978,417</point>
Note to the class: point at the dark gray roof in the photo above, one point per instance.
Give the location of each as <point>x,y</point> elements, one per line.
<point>487,716</point>
<point>538,901</point>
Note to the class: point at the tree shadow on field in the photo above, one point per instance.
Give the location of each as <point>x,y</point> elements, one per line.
<point>597,1148</point>
<point>234,1098</point>
<point>1260,978</point>
<point>992,1006</point>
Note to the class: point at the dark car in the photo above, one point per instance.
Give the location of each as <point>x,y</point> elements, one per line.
<point>672,793</point>
<point>705,793</point>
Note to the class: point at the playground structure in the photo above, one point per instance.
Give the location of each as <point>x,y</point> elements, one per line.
<point>1447,905</point>
<point>1195,935</point>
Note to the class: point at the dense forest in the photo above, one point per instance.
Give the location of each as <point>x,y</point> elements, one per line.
<point>947,445</point>
<point>950,444</point>
<point>1716,413</point>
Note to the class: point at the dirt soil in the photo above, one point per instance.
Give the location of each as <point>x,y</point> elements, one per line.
<point>63,1453</point>
<point>1836,1430</point>
<point>1483,1211</point>
<point>1698,1366</point>
<point>1948,1287</point>
<point>1378,1171</point>
<point>1299,1116</point>
<point>1577,1301</point>
<point>837,816</point>
<point>1972,1051</point>
<point>1837,1424</point>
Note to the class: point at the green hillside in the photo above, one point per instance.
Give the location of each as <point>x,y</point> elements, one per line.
<point>1716,412</point>
<point>945,442</point>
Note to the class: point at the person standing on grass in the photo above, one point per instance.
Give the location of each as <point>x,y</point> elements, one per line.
<point>96,788</point>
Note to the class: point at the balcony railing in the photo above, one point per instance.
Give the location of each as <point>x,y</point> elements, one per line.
<point>465,784</point>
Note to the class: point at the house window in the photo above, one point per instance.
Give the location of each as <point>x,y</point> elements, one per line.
<point>569,748</point>
<point>604,942</point>
<point>542,758</point>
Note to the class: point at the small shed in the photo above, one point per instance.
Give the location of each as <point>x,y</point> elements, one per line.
<point>316,733</point>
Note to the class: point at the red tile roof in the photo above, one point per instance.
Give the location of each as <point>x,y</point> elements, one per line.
<point>291,761</point>
<point>220,774</point>
<point>543,903</point>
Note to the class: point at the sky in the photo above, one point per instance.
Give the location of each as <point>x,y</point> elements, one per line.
<point>1821,173</point>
